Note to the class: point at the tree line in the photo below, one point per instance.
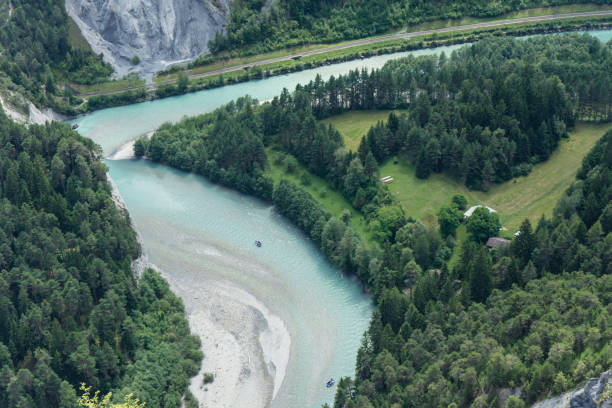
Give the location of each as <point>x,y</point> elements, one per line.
<point>486,114</point>
<point>71,309</point>
<point>254,26</point>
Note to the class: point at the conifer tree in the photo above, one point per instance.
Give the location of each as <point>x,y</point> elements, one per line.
<point>480,276</point>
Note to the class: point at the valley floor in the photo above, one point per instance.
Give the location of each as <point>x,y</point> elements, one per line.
<point>234,67</point>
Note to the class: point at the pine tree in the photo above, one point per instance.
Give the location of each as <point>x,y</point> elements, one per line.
<point>423,168</point>
<point>371,166</point>
<point>480,276</point>
<point>512,275</point>
<point>524,244</point>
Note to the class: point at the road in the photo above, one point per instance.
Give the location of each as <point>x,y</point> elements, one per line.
<point>357,43</point>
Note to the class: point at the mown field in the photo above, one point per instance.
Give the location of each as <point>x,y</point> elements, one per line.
<point>520,198</point>
<point>333,201</point>
<point>353,125</point>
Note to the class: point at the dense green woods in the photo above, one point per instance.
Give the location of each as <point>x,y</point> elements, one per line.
<point>545,327</point>
<point>254,28</point>
<point>487,113</point>
<point>36,54</point>
<point>71,309</point>
<point>534,314</point>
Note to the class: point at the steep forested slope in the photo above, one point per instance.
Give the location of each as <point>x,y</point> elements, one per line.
<point>71,309</point>
<point>253,26</point>
<point>36,54</point>
<point>546,328</point>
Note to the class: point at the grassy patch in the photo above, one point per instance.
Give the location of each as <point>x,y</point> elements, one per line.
<point>461,235</point>
<point>118,85</point>
<point>535,12</point>
<point>332,200</point>
<point>524,197</point>
<point>355,124</point>
<point>75,37</point>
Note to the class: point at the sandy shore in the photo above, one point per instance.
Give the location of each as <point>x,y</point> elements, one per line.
<point>245,347</point>
<point>126,151</point>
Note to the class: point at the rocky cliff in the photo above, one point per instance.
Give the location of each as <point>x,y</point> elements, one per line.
<point>596,393</point>
<point>159,32</point>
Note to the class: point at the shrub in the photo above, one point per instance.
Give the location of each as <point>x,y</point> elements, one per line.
<point>305,179</point>
<point>208,378</point>
<point>291,164</point>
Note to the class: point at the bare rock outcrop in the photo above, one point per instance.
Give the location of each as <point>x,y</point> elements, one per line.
<point>159,32</point>
<point>596,393</point>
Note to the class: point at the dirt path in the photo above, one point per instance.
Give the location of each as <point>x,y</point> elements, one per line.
<point>356,43</point>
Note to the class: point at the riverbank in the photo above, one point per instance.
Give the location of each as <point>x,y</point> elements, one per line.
<point>341,53</point>
<point>246,347</point>
<point>126,151</point>
<point>258,311</point>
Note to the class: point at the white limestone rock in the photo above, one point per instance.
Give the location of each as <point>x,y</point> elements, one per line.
<point>159,32</point>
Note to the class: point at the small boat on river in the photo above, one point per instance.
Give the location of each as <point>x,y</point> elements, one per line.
<point>75,126</point>
<point>258,244</point>
<point>330,383</point>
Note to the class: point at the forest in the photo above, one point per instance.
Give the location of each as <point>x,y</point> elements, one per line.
<point>72,310</point>
<point>37,56</point>
<point>534,314</point>
<point>256,26</point>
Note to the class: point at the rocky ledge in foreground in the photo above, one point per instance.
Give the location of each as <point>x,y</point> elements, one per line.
<point>596,393</point>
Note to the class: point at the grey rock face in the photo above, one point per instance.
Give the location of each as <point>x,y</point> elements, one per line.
<point>590,396</point>
<point>159,32</point>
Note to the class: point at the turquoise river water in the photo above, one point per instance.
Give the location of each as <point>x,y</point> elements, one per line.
<point>276,322</point>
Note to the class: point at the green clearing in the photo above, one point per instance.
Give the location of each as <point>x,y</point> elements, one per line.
<point>75,37</point>
<point>332,200</point>
<point>355,124</point>
<point>461,235</point>
<point>120,84</point>
<point>520,198</point>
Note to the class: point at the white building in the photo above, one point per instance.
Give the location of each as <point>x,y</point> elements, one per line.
<point>469,212</point>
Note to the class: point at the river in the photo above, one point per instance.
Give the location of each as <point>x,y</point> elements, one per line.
<point>276,322</point>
